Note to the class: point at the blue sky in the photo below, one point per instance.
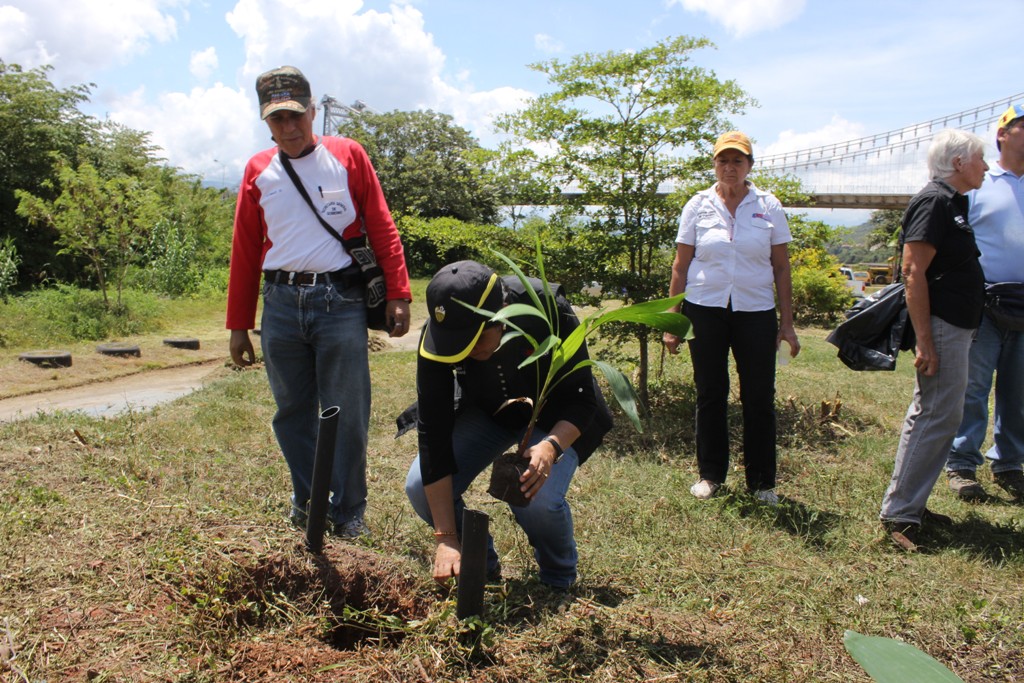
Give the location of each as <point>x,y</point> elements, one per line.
<point>821,70</point>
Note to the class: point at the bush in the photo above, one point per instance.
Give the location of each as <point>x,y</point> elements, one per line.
<point>172,263</point>
<point>9,262</point>
<point>65,313</point>
<point>430,243</point>
<point>819,297</point>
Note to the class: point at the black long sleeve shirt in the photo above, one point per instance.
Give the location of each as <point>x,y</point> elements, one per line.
<point>489,384</point>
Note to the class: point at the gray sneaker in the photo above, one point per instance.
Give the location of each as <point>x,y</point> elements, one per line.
<point>965,486</point>
<point>351,530</point>
<point>1012,482</point>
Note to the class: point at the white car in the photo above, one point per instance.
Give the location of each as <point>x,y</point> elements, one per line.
<point>855,286</point>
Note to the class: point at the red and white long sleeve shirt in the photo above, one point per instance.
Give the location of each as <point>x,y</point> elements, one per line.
<point>276,230</point>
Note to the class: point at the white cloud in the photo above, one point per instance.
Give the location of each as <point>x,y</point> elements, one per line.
<point>746,17</point>
<point>83,36</point>
<point>214,146</point>
<point>836,130</point>
<point>203,64</point>
<point>387,59</point>
<point>547,44</point>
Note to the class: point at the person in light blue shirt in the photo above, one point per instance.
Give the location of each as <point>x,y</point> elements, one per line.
<point>997,216</point>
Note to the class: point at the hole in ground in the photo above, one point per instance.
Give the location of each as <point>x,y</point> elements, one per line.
<point>362,597</point>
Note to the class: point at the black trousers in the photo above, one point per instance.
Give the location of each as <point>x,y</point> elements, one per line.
<point>751,337</point>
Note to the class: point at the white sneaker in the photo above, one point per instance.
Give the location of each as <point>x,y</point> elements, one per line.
<point>704,489</point>
<point>767,496</point>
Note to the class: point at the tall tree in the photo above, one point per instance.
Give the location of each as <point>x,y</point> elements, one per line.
<point>619,127</point>
<point>106,221</point>
<point>885,229</point>
<point>39,124</point>
<point>427,165</point>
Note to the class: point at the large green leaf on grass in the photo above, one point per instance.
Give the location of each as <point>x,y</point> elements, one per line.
<point>892,661</point>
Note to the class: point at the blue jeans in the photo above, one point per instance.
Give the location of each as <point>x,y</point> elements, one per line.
<point>929,426</point>
<point>1001,352</point>
<point>547,520</point>
<point>314,345</point>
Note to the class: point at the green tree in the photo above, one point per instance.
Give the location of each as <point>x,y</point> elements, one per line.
<point>885,229</point>
<point>618,126</point>
<point>427,165</point>
<point>104,221</point>
<point>38,124</point>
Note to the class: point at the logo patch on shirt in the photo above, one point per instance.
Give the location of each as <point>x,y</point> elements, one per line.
<point>961,222</point>
<point>762,216</point>
<point>334,209</point>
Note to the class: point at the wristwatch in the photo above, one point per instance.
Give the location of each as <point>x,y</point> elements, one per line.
<point>554,444</point>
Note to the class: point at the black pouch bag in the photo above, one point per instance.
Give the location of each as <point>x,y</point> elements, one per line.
<point>1004,304</point>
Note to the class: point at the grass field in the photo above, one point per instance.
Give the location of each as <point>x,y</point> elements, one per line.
<point>154,547</point>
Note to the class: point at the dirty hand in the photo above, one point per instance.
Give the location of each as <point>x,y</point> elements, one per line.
<point>542,459</point>
<point>447,560</point>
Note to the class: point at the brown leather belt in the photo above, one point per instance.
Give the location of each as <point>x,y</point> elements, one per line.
<point>344,278</point>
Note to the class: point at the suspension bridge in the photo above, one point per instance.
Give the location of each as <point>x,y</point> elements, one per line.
<point>880,171</point>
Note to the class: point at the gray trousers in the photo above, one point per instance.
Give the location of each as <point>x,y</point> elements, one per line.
<point>929,427</point>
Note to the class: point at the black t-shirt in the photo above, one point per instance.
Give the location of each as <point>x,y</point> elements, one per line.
<point>956,285</point>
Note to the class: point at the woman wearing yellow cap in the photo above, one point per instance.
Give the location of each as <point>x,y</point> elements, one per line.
<point>732,262</point>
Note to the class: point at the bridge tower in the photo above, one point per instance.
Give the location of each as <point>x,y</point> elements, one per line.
<point>335,113</point>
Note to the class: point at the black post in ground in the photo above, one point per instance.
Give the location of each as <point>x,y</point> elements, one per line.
<point>320,487</point>
<point>473,575</point>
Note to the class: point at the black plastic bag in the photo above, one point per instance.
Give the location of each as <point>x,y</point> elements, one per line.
<point>876,329</point>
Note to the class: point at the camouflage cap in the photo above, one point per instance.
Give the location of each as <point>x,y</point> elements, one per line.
<point>283,88</point>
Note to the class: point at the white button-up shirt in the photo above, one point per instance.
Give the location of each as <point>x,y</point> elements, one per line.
<point>732,256</point>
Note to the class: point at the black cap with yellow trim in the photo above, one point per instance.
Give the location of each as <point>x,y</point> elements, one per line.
<point>452,329</point>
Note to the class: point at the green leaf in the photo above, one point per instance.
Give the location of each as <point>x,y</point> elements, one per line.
<point>513,310</point>
<point>891,661</point>
<point>621,388</point>
<point>548,344</point>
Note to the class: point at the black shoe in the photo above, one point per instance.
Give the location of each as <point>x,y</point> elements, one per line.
<point>1012,482</point>
<point>494,574</point>
<point>903,535</point>
<point>929,517</point>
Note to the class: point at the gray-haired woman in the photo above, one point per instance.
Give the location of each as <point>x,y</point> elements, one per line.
<point>945,297</point>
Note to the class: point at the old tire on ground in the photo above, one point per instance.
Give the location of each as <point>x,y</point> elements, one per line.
<point>120,349</point>
<point>190,343</point>
<point>47,359</point>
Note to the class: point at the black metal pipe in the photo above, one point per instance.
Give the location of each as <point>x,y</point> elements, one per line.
<point>473,573</point>
<point>320,487</point>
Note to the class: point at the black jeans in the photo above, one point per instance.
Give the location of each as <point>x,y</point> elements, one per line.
<point>751,336</point>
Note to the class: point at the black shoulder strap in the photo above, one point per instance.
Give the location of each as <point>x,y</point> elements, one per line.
<point>305,195</point>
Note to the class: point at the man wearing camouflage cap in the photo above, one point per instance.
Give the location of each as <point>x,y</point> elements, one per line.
<point>313,335</point>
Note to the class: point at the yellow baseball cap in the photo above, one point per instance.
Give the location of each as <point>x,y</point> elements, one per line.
<point>733,140</point>
<point>1010,115</point>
